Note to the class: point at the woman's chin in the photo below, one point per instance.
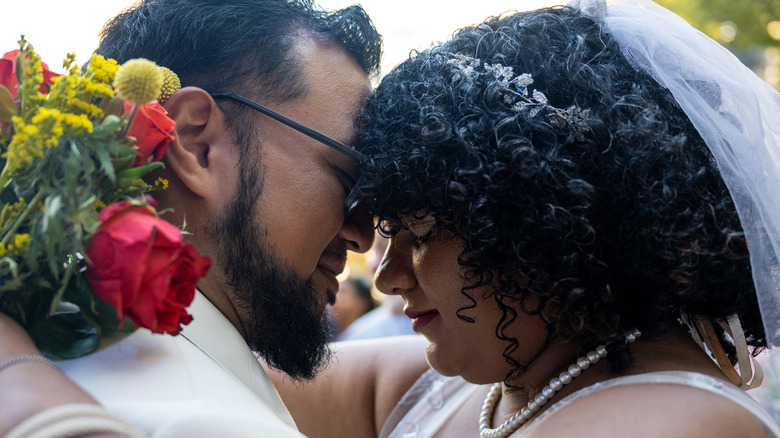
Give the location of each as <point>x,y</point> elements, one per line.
<point>472,369</point>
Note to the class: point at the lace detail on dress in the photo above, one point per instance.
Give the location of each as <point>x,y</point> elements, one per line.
<point>426,406</point>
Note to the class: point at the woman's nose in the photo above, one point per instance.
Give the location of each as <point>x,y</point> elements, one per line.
<point>358,230</point>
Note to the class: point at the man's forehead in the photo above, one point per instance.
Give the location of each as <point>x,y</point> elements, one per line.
<point>336,88</point>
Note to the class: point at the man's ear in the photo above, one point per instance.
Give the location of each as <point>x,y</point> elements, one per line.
<point>200,132</point>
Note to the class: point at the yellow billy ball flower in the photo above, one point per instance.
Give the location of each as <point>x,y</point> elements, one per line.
<point>138,81</point>
<point>171,84</point>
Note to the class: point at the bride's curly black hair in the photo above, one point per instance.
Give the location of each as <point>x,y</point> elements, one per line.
<point>625,223</point>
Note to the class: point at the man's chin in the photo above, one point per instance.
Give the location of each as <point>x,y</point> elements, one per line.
<point>292,333</point>
<point>300,362</point>
<point>325,284</point>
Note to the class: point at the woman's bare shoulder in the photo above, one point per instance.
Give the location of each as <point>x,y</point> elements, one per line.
<point>651,410</point>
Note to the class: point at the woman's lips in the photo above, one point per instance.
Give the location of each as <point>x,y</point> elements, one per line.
<point>421,318</point>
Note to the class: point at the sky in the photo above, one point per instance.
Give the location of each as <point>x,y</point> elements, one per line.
<point>57,27</point>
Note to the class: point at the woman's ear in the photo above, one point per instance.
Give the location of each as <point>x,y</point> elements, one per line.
<point>199,131</point>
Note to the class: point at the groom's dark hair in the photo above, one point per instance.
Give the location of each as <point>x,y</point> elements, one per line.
<point>237,45</point>
<point>217,45</point>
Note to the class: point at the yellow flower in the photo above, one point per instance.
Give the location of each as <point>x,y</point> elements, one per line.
<point>26,144</point>
<point>74,93</point>
<point>95,89</point>
<point>102,69</point>
<point>80,106</point>
<point>69,63</point>
<point>171,84</point>
<point>19,246</point>
<point>49,125</point>
<point>33,77</point>
<point>139,81</point>
<point>161,184</point>
<point>21,242</point>
<point>43,132</point>
<point>76,123</point>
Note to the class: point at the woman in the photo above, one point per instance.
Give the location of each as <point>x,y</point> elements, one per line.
<point>560,226</point>
<point>553,184</point>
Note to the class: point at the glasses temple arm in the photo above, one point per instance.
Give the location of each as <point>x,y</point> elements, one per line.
<point>333,143</point>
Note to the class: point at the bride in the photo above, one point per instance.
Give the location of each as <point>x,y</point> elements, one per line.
<point>573,197</point>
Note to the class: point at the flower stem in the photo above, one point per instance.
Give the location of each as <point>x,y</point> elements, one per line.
<point>19,219</point>
<point>55,302</point>
<point>130,121</point>
<point>5,176</point>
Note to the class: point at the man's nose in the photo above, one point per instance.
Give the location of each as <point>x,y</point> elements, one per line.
<point>358,230</point>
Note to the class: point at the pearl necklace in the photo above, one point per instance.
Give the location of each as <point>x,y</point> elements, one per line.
<point>537,402</point>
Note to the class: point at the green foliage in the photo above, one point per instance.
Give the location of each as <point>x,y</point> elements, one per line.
<point>751,18</point>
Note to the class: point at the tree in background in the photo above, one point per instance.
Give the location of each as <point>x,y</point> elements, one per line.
<point>749,28</point>
<point>742,24</point>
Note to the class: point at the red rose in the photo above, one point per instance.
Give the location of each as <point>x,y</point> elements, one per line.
<point>8,74</point>
<point>140,265</point>
<point>152,130</point>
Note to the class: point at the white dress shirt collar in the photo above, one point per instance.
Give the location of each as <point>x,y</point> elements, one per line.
<point>213,334</point>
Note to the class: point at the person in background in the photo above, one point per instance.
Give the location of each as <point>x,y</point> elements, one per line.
<point>353,301</point>
<point>387,319</point>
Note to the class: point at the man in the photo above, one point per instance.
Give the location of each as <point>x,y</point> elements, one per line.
<point>264,199</point>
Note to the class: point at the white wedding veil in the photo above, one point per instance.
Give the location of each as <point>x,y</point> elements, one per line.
<point>735,112</point>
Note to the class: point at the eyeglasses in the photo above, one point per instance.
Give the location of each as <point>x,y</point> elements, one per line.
<point>352,199</point>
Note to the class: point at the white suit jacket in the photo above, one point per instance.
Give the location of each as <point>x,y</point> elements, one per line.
<point>205,382</point>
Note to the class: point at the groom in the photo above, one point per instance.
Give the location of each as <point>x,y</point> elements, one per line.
<point>264,199</point>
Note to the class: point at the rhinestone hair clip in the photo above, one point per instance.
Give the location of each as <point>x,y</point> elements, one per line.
<point>518,94</point>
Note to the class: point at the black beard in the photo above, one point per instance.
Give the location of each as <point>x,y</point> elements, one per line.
<point>287,325</point>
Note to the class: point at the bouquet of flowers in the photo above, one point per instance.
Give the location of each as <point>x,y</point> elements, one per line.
<point>83,253</point>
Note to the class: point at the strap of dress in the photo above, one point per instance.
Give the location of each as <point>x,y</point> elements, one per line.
<point>684,378</point>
